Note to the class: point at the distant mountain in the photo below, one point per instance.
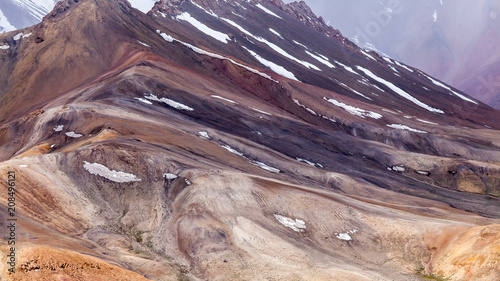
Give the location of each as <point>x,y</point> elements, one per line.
<point>455,41</point>
<point>236,140</point>
<point>18,14</point>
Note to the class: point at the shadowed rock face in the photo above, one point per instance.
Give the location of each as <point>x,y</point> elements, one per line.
<point>232,141</point>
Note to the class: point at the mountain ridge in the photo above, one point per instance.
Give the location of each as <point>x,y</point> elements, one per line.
<point>201,144</point>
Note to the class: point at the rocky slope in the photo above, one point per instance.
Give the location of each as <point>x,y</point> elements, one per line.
<point>231,141</point>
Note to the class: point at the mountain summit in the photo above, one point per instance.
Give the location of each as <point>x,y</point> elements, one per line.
<point>237,140</point>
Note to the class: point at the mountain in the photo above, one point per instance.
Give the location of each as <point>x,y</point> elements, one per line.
<point>237,140</point>
<point>454,41</point>
<point>17,14</point>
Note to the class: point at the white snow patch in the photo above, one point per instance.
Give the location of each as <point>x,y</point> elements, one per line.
<point>112,175</point>
<point>348,68</point>
<point>144,44</point>
<point>221,98</point>
<point>388,60</point>
<point>27,35</point>
<point>296,225</point>
<point>273,46</point>
<point>276,33</point>
<point>398,91</point>
<point>58,128</point>
<point>143,100</point>
<point>321,60</point>
<point>73,135</point>
<point>304,107</point>
<point>302,45</point>
<point>398,169</point>
<point>23,166</point>
<point>368,55</point>
<point>354,91</point>
<point>309,162</point>
<point>274,67</point>
<point>404,127</point>
<point>143,5</point>
<point>435,16</point>
<point>346,236</point>
<point>265,167</point>
<point>222,37</point>
<point>354,110</point>
<point>268,11</point>
<point>449,89</point>
<point>427,122</point>
<point>4,47</point>
<point>263,112</point>
<point>52,146</point>
<point>204,135</point>
<point>403,66</point>
<point>169,176</point>
<point>232,150</point>
<point>18,36</point>
<point>170,103</point>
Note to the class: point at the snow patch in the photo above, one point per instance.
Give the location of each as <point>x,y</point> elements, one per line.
<point>4,47</point>
<point>348,68</point>
<point>435,16</point>
<point>268,11</point>
<point>18,36</point>
<point>449,89</point>
<point>274,67</point>
<point>232,150</point>
<point>23,166</point>
<point>302,45</point>
<point>112,175</point>
<point>265,167</point>
<point>58,128</point>
<point>309,162</point>
<point>368,55</point>
<point>296,225</point>
<point>276,33</point>
<point>354,110</point>
<point>222,37</point>
<point>404,127</point>
<point>398,91</point>
<point>321,59</point>
<point>170,103</point>
<point>398,169</point>
<point>170,176</point>
<point>143,100</point>
<point>263,112</point>
<point>403,66</point>
<point>304,107</point>
<point>427,122</point>
<point>346,236</point>
<point>221,98</point>
<point>73,135</point>
<point>204,135</point>
<point>144,44</point>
